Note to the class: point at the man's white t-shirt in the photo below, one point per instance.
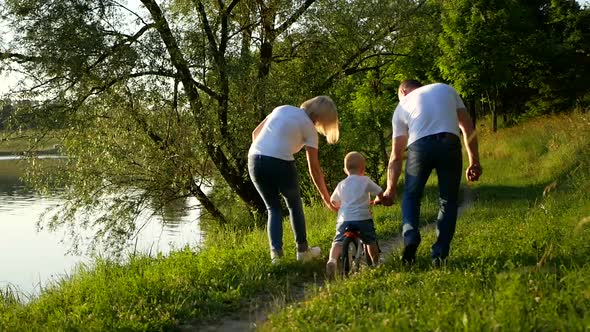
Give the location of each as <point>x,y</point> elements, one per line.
<point>353,195</point>
<point>286,130</point>
<point>428,110</point>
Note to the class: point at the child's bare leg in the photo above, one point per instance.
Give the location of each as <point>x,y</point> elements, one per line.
<point>374,253</point>
<point>335,251</point>
<point>332,262</point>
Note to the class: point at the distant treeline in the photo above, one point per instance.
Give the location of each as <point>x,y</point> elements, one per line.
<point>506,57</point>
<point>25,114</point>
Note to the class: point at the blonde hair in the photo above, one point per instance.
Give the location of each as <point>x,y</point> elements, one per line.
<point>322,111</point>
<point>354,162</point>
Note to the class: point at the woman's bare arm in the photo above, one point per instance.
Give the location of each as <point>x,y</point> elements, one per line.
<point>317,175</point>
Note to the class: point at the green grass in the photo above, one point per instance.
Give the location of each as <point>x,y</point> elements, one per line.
<point>519,258</point>
<point>519,262</point>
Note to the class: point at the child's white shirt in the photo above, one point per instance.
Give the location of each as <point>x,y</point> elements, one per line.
<point>353,195</point>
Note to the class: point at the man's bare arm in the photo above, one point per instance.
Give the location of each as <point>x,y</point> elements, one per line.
<point>394,168</point>
<point>474,170</point>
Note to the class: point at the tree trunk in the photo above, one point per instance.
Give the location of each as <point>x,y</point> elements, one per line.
<point>207,204</point>
<point>494,120</point>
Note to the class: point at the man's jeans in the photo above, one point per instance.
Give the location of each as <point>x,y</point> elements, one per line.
<point>275,177</point>
<point>443,153</point>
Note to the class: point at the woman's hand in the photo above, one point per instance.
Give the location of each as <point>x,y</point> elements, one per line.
<point>330,205</point>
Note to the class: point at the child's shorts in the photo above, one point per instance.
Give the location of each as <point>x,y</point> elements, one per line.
<point>366,228</point>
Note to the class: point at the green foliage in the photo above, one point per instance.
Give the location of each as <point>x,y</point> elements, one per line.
<point>490,53</point>
<point>153,100</point>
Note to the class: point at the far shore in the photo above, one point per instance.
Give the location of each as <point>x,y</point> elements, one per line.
<point>40,152</point>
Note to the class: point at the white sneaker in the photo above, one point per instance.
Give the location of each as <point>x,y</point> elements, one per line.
<point>311,253</point>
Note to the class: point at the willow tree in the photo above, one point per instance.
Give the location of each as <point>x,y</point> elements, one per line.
<point>155,98</point>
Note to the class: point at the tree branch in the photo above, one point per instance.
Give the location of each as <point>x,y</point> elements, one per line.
<point>130,40</point>
<point>285,25</point>
<point>209,32</point>
<point>176,56</point>
<point>231,6</point>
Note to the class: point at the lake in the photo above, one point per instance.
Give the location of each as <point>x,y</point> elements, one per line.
<point>30,259</point>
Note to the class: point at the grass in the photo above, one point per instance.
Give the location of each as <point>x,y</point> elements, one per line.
<point>519,262</point>
<point>519,258</point>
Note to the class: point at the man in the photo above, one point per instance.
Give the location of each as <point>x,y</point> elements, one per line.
<point>427,121</point>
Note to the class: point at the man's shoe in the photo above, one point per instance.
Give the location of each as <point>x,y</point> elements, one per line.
<point>309,254</point>
<point>409,254</point>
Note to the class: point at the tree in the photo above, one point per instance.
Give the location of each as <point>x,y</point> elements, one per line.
<point>154,100</point>
<point>491,52</point>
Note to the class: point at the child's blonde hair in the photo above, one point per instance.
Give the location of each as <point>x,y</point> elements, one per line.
<point>354,162</point>
<point>322,110</point>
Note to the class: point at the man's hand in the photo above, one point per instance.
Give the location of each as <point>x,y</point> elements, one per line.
<point>388,197</point>
<point>473,172</point>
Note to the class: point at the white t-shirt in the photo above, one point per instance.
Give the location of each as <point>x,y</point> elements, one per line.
<point>428,110</point>
<point>286,130</point>
<point>353,195</point>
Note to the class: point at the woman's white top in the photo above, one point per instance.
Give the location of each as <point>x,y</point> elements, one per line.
<point>286,130</point>
<point>428,110</point>
<point>353,195</point>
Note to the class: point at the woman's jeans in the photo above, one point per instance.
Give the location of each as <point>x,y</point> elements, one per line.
<point>441,152</point>
<point>275,177</point>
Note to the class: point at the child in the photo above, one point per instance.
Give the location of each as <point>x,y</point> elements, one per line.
<point>352,197</point>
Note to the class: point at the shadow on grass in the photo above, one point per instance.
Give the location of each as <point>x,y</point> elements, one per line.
<point>522,262</point>
<point>501,193</point>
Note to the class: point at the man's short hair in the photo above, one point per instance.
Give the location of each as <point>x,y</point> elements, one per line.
<point>410,84</point>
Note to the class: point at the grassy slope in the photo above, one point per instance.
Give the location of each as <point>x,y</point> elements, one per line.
<point>492,277</point>
<point>519,258</point>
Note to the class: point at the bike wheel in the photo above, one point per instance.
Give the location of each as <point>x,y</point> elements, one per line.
<point>349,259</point>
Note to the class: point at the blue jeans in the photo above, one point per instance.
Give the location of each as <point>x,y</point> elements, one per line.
<point>441,152</point>
<point>272,178</point>
<point>366,228</point>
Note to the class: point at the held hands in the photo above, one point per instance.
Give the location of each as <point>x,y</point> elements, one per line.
<point>330,205</point>
<point>388,197</point>
<point>473,172</point>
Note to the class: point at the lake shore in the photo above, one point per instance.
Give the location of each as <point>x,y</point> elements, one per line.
<point>519,262</point>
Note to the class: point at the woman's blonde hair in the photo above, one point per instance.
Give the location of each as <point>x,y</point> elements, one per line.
<point>322,111</point>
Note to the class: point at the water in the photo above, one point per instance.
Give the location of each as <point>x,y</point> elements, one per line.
<point>30,259</point>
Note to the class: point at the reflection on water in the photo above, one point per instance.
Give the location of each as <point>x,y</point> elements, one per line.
<point>31,258</point>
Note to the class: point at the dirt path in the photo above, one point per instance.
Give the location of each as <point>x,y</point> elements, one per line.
<point>256,311</point>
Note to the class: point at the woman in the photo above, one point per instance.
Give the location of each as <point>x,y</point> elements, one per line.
<point>272,166</point>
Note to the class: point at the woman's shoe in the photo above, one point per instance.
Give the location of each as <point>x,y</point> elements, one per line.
<point>309,254</point>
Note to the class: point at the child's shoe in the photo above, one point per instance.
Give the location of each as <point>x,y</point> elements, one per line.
<point>309,254</point>
<point>330,269</point>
